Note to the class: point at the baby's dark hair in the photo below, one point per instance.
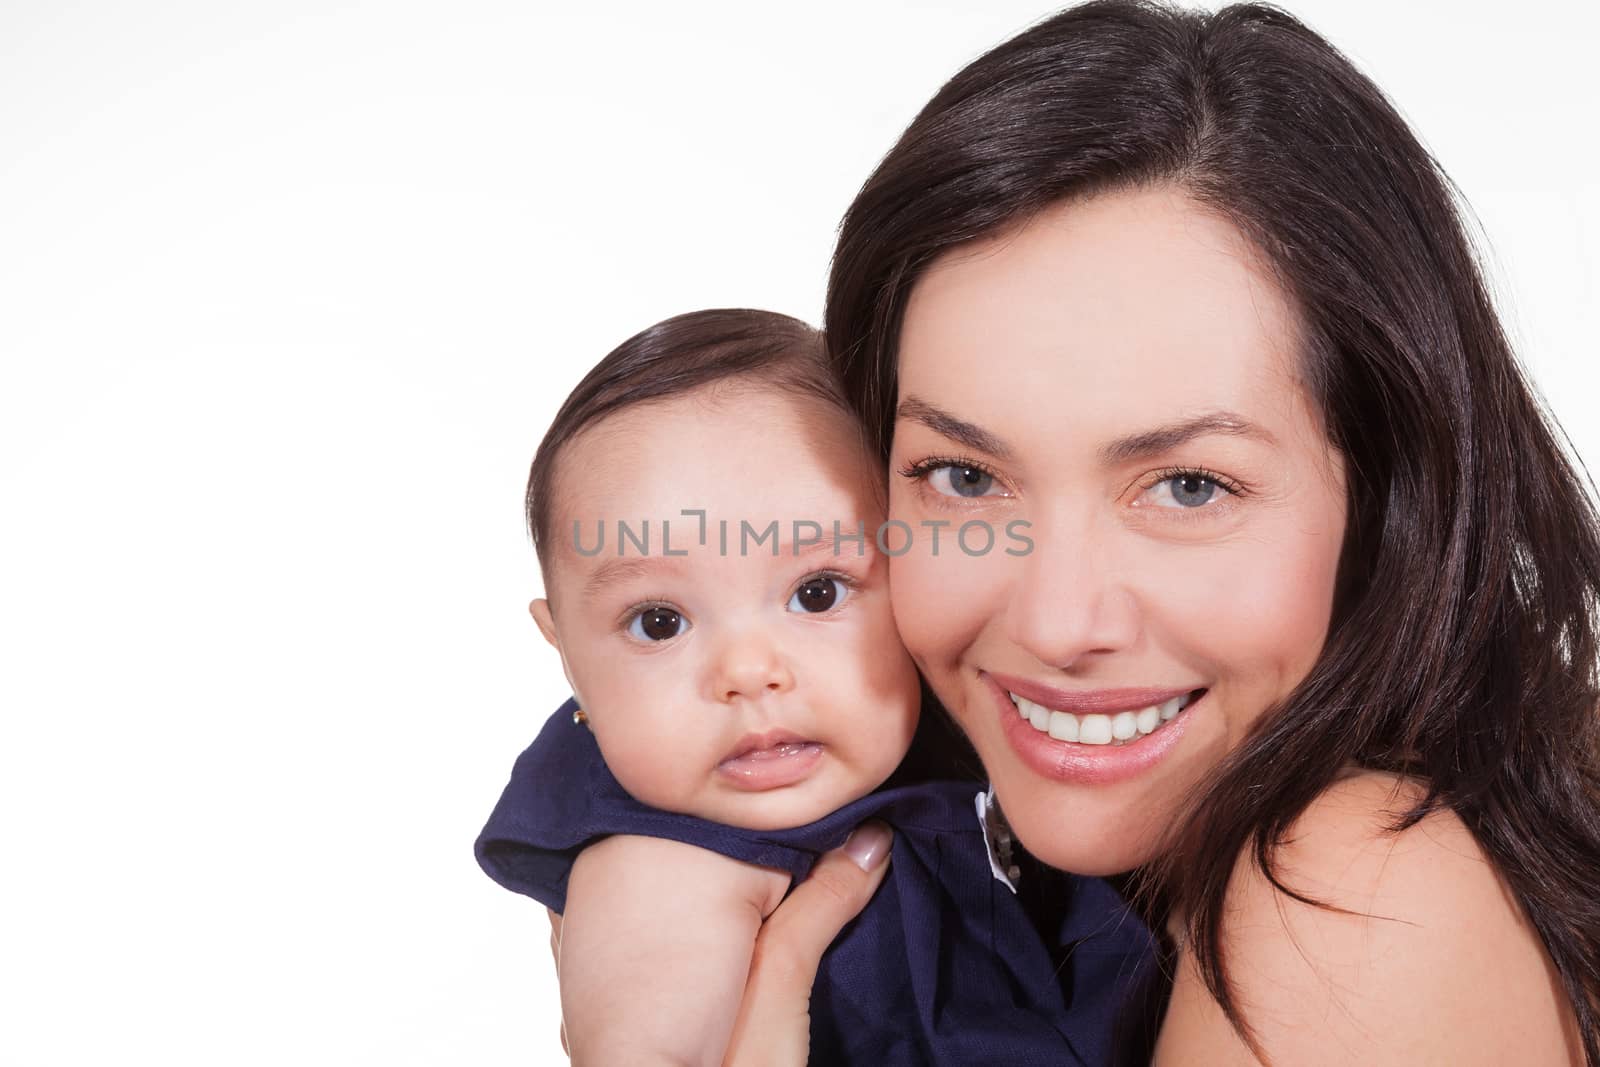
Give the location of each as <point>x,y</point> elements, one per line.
<point>677,356</point>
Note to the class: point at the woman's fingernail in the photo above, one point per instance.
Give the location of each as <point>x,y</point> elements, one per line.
<point>868,845</point>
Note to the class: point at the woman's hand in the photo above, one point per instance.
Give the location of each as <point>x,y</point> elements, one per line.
<point>774,1024</point>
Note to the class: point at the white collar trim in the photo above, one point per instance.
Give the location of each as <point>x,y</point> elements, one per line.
<point>997,840</point>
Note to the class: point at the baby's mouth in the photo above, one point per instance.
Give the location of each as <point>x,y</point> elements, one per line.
<point>1110,728</point>
<point>770,761</point>
<point>772,745</point>
<point>779,751</point>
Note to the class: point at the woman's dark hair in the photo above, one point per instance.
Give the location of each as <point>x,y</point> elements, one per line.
<point>677,356</point>
<point>1462,648</point>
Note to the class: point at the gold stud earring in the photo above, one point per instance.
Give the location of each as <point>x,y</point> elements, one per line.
<point>579,718</point>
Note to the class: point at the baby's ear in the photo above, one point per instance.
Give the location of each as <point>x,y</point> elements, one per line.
<point>540,610</point>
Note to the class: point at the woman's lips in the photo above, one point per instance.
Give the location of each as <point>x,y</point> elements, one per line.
<point>1088,702</point>
<point>1095,764</point>
<point>770,761</point>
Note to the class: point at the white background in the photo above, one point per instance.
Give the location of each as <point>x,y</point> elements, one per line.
<point>288,292</point>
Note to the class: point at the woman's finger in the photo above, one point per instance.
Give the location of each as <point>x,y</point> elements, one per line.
<point>773,1028</point>
<point>555,954</point>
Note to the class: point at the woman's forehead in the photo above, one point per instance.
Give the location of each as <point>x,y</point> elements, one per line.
<point>1127,309</point>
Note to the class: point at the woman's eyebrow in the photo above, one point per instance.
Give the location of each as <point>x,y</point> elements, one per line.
<point>1148,443</point>
<point>947,425</point>
<point>1139,445</point>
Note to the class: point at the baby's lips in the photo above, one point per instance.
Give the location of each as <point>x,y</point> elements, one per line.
<point>751,744</point>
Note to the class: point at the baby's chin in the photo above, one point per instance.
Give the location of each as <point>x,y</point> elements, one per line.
<point>784,808</point>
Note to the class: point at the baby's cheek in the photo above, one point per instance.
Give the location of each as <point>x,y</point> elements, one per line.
<point>642,761</point>
<point>884,649</point>
<point>858,659</point>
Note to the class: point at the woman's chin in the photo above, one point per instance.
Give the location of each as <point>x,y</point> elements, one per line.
<point>1085,843</point>
<point>1101,863</point>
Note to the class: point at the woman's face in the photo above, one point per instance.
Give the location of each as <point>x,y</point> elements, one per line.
<point>1115,391</point>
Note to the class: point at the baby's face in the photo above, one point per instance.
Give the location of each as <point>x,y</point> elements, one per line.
<point>751,689</point>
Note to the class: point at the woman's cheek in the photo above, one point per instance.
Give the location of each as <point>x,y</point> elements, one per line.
<point>1219,598</point>
<point>1291,604</point>
<point>1252,622</point>
<point>943,601</point>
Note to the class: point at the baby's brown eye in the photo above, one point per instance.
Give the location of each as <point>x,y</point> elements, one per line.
<point>657,624</point>
<point>816,595</point>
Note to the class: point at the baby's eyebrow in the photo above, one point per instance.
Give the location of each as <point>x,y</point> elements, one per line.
<point>827,545</point>
<point>618,571</point>
<point>613,572</point>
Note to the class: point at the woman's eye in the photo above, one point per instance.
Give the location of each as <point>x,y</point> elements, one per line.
<point>954,480</point>
<point>657,624</point>
<point>1188,489</point>
<point>818,594</point>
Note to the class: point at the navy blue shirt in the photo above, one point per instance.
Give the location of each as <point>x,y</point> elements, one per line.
<point>943,966</point>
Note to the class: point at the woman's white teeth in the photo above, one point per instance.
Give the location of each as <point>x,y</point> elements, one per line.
<point>1062,727</point>
<point>1115,729</point>
<point>1092,729</point>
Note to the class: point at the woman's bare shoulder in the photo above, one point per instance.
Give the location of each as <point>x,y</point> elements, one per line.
<point>1421,955</point>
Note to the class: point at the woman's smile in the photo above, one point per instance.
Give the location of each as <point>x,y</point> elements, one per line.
<point>1099,717</point>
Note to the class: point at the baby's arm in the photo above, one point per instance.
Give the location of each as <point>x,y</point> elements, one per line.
<point>655,948</point>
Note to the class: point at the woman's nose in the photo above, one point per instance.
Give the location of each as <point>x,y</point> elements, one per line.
<point>1069,601</point>
<point>748,663</point>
